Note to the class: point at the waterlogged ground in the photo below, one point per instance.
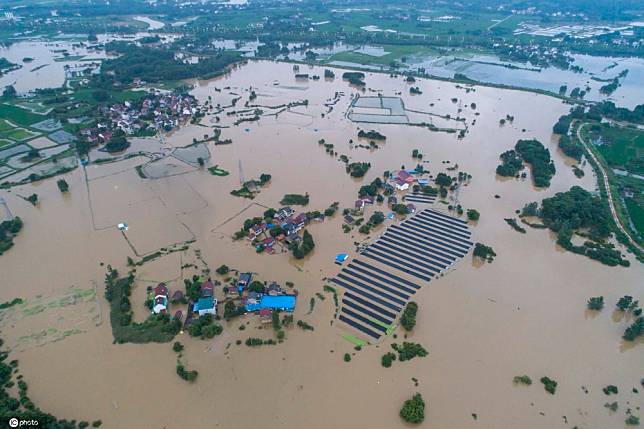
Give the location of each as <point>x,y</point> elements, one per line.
<point>483,324</point>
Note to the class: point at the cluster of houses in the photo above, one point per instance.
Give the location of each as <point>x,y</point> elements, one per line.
<point>160,299</point>
<point>156,112</point>
<point>401,181</point>
<point>270,298</point>
<point>289,223</point>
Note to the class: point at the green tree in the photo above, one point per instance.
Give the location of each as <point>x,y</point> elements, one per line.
<point>473,214</point>
<point>9,92</point>
<point>408,318</point>
<point>595,303</point>
<point>413,410</point>
<point>63,185</point>
<point>256,286</point>
<point>377,218</point>
<point>387,359</point>
<point>624,302</point>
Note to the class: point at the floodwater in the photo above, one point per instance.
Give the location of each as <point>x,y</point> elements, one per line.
<point>153,24</point>
<point>48,68</point>
<point>486,68</point>
<point>483,324</point>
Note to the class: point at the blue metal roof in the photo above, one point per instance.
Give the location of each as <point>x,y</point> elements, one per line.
<point>281,302</point>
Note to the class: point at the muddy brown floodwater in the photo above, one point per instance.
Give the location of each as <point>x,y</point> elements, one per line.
<point>523,314</point>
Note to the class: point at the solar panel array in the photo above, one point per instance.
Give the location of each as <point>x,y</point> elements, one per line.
<point>419,198</point>
<point>389,271</point>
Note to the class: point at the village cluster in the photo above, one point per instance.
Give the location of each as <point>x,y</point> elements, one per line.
<point>242,295</point>
<point>156,112</point>
<point>285,228</point>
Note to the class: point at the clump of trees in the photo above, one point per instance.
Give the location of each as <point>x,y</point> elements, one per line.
<point>511,164</point>
<point>186,374</point>
<point>304,326</point>
<point>376,219</point>
<point>515,226</point>
<point>387,359</point>
<point>408,351</point>
<point>570,147</point>
<point>577,209</point>
<point>332,209</point>
<point>371,189</point>
<point>371,135</point>
<point>595,303</point>
<point>549,384</point>
<point>484,252</point>
<point>157,328</point>
<point>117,143</point>
<point>413,410</point>
<point>611,389</point>
<point>205,327</point>
<point>473,214</point>
<point>153,64</point>
<point>408,318</point>
<point>535,154</point>
<point>522,379</point>
<point>295,199</point>
<point>8,230</point>
<point>304,248</point>
<point>354,78</point>
<point>63,186</point>
<point>358,169</point>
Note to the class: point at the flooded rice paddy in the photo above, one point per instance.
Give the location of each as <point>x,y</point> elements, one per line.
<point>525,313</point>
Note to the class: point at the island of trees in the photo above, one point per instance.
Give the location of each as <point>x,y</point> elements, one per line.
<point>533,153</point>
<point>8,230</point>
<point>578,212</point>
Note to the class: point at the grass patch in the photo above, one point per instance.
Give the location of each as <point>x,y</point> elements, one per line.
<point>295,199</point>
<point>19,116</point>
<point>216,171</point>
<point>354,340</point>
<point>636,213</point>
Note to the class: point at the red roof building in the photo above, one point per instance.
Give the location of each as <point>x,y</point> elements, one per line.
<point>161,289</point>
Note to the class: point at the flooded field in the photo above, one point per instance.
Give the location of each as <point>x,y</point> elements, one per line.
<point>483,324</point>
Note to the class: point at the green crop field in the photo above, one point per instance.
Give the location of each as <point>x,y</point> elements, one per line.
<point>5,126</point>
<point>19,134</point>
<point>621,146</point>
<point>19,116</point>
<point>636,213</point>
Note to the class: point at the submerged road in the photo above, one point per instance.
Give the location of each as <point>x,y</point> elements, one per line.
<point>611,203</point>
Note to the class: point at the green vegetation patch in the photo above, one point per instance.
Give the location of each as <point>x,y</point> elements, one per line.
<point>413,410</point>
<point>295,199</point>
<point>8,230</point>
<point>216,171</point>
<point>155,329</point>
<point>353,340</point>
<point>19,116</point>
<point>534,153</point>
<point>577,210</point>
<point>622,147</point>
